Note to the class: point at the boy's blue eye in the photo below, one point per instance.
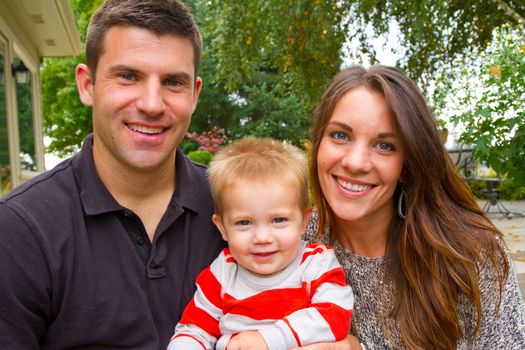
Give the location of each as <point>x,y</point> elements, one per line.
<point>279,220</point>
<point>244,222</point>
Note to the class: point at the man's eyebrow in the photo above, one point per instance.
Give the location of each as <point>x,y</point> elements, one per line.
<point>180,75</point>
<point>123,67</point>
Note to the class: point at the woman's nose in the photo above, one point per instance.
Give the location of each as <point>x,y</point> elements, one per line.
<point>358,158</point>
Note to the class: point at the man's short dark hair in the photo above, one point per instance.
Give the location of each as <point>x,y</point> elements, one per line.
<point>159,16</point>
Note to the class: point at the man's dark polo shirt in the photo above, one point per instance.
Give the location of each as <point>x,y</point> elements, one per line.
<point>77,270</point>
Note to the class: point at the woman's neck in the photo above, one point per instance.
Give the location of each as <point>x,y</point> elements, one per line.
<point>362,237</point>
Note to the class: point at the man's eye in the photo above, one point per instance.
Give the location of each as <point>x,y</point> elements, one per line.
<point>243,222</point>
<point>172,82</point>
<point>339,136</point>
<point>279,220</point>
<point>127,76</point>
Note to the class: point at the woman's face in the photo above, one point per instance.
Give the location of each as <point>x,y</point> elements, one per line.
<point>360,158</point>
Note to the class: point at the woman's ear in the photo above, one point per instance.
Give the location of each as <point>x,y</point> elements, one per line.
<point>84,84</point>
<point>217,220</point>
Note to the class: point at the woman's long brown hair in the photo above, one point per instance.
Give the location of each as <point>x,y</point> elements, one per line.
<point>433,254</point>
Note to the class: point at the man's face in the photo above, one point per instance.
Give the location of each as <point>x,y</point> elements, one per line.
<point>143,96</point>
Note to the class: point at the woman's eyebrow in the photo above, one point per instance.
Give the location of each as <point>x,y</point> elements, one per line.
<point>342,125</point>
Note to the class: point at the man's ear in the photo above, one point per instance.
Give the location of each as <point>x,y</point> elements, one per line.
<point>196,92</point>
<point>218,222</point>
<point>84,85</point>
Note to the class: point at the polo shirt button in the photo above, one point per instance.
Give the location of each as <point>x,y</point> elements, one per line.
<point>139,240</point>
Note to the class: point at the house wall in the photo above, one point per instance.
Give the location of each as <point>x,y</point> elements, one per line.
<point>29,31</point>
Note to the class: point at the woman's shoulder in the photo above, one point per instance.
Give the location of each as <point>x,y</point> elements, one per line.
<point>310,235</point>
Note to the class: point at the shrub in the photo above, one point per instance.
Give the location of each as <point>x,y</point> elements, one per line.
<point>200,156</point>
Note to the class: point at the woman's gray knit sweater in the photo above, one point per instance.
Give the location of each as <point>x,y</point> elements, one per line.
<point>500,329</point>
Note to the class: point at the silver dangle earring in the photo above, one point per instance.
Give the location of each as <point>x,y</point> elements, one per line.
<point>400,204</point>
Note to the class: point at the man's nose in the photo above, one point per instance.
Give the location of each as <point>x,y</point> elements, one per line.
<point>151,101</point>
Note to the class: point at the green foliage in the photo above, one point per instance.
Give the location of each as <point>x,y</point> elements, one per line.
<point>262,104</point>
<point>507,190</point>
<point>303,40</point>
<point>202,157</point>
<point>484,96</point>
<point>66,120</point>
<point>299,40</point>
<point>265,63</point>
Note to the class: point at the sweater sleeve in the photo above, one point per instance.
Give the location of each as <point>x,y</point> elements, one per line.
<point>199,326</point>
<point>503,318</point>
<point>327,317</point>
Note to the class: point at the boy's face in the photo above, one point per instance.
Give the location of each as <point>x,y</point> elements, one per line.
<point>262,223</point>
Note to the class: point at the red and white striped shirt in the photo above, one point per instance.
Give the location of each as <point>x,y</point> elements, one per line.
<point>308,302</point>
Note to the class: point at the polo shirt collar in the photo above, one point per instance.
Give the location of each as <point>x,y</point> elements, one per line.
<point>94,195</point>
<point>191,186</point>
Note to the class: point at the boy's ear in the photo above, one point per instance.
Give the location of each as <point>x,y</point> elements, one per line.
<point>84,85</point>
<point>218,222</point>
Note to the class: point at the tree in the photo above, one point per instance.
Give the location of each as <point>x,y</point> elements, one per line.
<point>261,105</point>
<point>266,62</point>
<point>484,96</point>
<point>66,120</point>
<point>304,39</point>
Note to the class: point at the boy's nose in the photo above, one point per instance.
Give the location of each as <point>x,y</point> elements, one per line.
<point>262,235</point>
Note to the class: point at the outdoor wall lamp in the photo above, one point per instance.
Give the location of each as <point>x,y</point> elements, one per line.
<point>21,73</point>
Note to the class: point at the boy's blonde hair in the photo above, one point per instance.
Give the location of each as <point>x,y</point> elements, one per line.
<point>259,159</point>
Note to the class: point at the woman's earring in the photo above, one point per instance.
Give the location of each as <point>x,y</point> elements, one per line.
<point>400,204</point>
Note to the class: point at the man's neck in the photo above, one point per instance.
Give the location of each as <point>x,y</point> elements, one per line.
<point>146,193</point>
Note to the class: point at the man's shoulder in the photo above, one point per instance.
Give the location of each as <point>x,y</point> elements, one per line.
<point>193,188</point>
<point>46,188</point>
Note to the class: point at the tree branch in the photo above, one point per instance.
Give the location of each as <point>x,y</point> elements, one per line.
<point>510,11</point>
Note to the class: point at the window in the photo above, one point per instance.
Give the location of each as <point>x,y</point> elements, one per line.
<point>24,101</point>
<point>5,170</point>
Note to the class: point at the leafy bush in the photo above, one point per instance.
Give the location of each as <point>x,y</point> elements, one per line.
<point>507,190</point>
<point>484,96</point>
<point>202,157</point>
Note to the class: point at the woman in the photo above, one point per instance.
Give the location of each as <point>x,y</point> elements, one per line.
<point>428,269</point>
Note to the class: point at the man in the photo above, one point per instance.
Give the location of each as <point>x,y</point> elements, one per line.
<point>102,251</point>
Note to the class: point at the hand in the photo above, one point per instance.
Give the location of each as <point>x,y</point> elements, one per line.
<point>349,343</point>
<point>247,340</point>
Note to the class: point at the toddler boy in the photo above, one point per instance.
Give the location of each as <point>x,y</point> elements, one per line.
<point>268,289</point>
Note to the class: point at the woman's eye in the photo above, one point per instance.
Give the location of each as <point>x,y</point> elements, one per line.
<point>279,220</point>
<point>339,135</point>
<point>386,146</point>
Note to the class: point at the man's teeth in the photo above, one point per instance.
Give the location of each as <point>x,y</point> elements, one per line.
<point>145,129</point>
<point>353,187</point>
